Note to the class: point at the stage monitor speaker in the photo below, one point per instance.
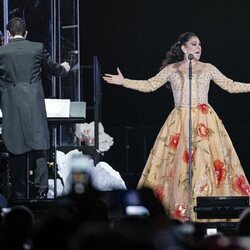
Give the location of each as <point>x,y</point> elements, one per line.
<point>220,207</point>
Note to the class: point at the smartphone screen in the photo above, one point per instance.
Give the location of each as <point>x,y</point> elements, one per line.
<point>137,211</point>
<point>211,231</point>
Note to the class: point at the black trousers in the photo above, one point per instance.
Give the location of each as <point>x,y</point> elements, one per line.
<point>18,172</point>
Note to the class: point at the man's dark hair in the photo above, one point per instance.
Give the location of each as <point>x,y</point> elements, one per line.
<point>16,26</point>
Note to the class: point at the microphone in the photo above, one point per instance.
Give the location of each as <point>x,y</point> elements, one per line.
<point>190,57</point>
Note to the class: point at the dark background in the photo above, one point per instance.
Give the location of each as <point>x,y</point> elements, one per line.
<point>134,35</point>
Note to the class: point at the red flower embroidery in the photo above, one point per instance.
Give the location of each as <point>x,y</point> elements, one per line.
<point>220,171</point>
<point>180,212</point>
<point>171,172</point>
<point>202,188</point>
<point>159,192</point>
<point>203,108</point>
<point>186,156</point>
<point>203,131</point>
<point>174,140</point>
<point>240,185</point>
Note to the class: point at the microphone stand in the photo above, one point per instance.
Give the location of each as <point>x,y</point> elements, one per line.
<point>190,172</point>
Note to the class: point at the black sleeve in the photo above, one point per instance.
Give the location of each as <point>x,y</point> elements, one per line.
<point>52,67</point>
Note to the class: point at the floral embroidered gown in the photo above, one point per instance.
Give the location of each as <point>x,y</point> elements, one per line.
<point>216,169</point>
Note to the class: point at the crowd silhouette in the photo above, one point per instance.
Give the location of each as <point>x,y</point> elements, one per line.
<point>99,220</point>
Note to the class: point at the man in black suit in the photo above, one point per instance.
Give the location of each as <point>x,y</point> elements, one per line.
<point>25,127</point>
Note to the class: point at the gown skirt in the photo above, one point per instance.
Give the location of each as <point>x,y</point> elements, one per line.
<point>216,169</point>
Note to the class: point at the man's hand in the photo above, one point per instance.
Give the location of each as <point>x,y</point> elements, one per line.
<point>66,66</point>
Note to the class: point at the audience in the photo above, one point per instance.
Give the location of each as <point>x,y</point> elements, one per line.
<point>84,220</point>
<point>244,223</point>
<point>17,227</point>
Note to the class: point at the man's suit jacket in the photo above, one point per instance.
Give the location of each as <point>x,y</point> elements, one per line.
<point>24,126</point>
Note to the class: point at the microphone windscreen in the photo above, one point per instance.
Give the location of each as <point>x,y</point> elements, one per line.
<point>190,56</point>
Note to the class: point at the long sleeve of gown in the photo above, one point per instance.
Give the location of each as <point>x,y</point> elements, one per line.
<point>148,85</point>
<point>228,84</point>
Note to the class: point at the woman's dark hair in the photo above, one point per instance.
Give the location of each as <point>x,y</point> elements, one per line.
<point>175,54</point>
<point>16,26</point>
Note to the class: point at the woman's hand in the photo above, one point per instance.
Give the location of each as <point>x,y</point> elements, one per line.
<point>114,79</point>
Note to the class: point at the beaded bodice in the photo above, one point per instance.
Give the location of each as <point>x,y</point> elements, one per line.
<point>180,87</point>
<point>180,84</point>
